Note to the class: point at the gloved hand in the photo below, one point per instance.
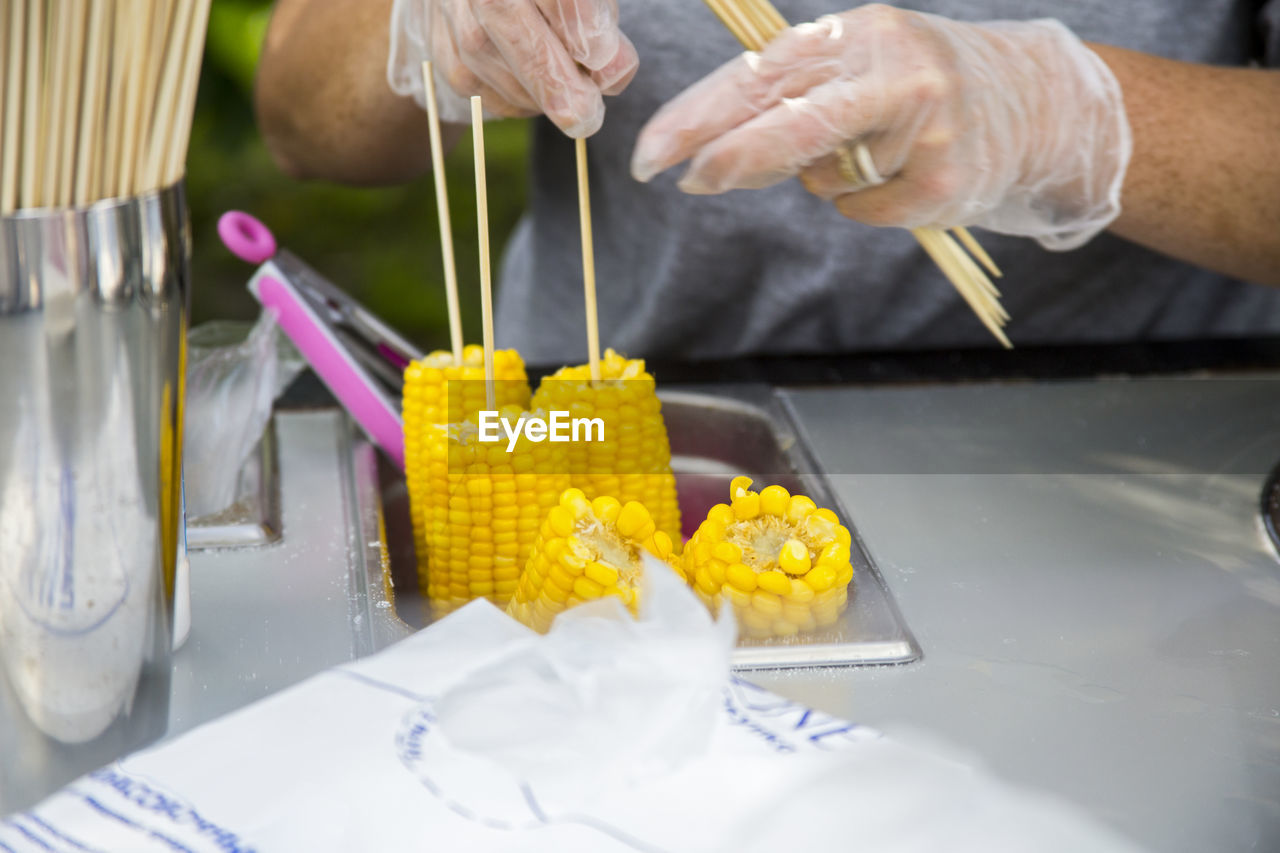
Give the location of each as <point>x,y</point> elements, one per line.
<point>523,57</point>
<point>1014,126</point>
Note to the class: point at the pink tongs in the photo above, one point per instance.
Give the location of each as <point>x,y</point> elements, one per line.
<point>349,348</point>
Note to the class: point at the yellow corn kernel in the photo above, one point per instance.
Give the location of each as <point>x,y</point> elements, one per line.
<point>606,508</point>
<point>587,589</point>
<point>741,577</point>
<point>774,581</point>
<point>585,557</point>
<point>779,560</point>
<point>560,520</point>
<point>727,552</point>
<point>774,500</point>
<point>722,514</point>
<point>661,545</point>
<point>746,507</point>
<point>604,575</point>
<point>737,597</point>
<point>794,557</point>
<point>799,507</point>
<point>633,519</point>
<point>835,554</point>
<point>766,602</point>
<point>756,623</point>
<point>801,592</point>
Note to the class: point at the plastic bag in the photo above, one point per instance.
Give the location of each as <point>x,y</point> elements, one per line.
<point>234,374</point>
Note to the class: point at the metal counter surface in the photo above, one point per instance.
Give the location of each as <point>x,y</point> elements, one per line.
<point>1085,570</point>
<point>1082,563</point>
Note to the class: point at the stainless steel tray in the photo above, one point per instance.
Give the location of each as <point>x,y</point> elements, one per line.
<point>716,434</point>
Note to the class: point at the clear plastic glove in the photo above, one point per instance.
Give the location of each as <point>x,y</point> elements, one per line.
<point>523,57</point>
<point>1013,126</point>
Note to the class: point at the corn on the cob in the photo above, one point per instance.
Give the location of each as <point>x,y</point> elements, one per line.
<point>586,549</point>
<point>437,391</point>
<point>782,562</point>
<point>633,462</point>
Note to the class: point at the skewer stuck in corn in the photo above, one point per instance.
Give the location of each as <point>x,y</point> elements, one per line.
<point>782,562</point>
<point>586,550</point>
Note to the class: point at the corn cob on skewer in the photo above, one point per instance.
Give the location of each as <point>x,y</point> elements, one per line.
<point>439,391</point>
<point>586,550</point>
<point>633,462</point>
<point>782,562</point>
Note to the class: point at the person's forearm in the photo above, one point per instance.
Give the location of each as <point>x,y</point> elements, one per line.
<point>1204,181</point>
<point>322,98</point>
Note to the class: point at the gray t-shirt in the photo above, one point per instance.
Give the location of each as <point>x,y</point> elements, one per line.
<point>780,271</point>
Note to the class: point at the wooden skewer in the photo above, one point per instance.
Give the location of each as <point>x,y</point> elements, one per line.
<point>771,19</point>
<point>12,109</point>
<point>482,227</point>
<point>31,103</point>
<point>588,261</point>
<point>760,19</point>
<point>69,129</point>
<point>975,249</point>
<point>94,127</point>
<point>990,296</point>
<point>175,166</point>
<point>136,87</point>
<point>738,23</point>
<point>442,213</point>
<point>163,115</point>
<point>109,171</point>
<point>6,14</point>
<point>56,69</point>
<point>155,38</point>
<point>932,242</point>
<point>95,98</point>
<point>91,105</point>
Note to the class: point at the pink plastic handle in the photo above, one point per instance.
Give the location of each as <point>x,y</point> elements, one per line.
<point>345,378</point>
<point>246,237</point>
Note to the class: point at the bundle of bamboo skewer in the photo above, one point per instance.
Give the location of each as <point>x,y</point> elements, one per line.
<point>96,97</point>
<point>755,23</point>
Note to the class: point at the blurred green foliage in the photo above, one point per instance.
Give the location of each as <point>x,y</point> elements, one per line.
<point>381,245</point>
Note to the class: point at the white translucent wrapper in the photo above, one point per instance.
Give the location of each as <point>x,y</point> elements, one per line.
<point>233,379</point>
<point>605,735</point>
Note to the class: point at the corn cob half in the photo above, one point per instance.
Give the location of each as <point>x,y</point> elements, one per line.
<point>633,462</point>
<point>783,563</point>
<point>586,550</point>
<point>438,391</point>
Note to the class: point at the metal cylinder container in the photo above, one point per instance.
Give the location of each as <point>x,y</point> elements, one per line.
<point>93,320</point>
